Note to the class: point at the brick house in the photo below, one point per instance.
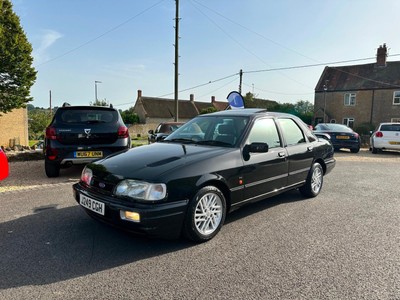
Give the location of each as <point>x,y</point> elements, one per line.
<point>14,128</point>
<point>152,110</point>
<point>359,94</point>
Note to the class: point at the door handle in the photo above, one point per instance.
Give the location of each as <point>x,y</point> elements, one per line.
<point>281,154</point>
<point>309,148</point>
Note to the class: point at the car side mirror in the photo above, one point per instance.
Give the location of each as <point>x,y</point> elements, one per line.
<point>151,131</point>
<point>254,148</point>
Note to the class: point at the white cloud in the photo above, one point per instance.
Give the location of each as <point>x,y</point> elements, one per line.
<point>46,41</point>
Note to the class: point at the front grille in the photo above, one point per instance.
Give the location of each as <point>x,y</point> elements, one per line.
<point>102,187</point>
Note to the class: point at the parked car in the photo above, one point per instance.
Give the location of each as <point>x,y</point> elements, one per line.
<point>81,134</point>
<point>4,168</point>
<point>341,136</point>
<point>162,131</point>
<point>208,167</point>
<point>385,137</point>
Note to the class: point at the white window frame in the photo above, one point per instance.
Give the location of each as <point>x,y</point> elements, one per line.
<point>396,98</point>
<point>348,121</point>
<point>395,120</point>
<point>349,99</point>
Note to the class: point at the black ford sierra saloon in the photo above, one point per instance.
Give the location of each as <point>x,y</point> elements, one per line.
<point>186,184</point>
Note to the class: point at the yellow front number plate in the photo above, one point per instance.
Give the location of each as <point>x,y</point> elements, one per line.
<point>95,154</point>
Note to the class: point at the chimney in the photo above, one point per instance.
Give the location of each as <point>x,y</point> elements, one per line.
<point>212,99</point>
<point>381,55</point>
<point>191,98</point>
<point>139,94</point>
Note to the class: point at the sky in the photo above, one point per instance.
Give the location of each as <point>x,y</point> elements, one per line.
<point>281,46</point>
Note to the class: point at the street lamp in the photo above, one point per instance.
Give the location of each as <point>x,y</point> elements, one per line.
<point>325,89</point>
<point>95,89</point>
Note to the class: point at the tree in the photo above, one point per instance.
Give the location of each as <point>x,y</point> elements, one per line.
<point>129,116</point>
<point>208,110</point>
<point>39,119</point>
<point>98,102</point>
<point>17,74</point>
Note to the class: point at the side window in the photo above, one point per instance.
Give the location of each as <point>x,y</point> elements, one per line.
<point>349,99</point>
<point>291,131</point>
<point>264,131</point>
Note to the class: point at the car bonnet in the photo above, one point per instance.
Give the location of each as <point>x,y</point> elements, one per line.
<point>151,162</point>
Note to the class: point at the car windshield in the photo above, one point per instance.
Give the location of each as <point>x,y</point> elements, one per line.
<point>87,116</point>
<point>211,130</point>
<point>332,127</point>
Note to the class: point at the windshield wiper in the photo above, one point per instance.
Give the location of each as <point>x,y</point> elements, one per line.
<point>213,143</point>
<point>180,140</point>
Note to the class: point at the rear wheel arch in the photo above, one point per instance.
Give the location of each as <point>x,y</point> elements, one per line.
<point>322,163</point>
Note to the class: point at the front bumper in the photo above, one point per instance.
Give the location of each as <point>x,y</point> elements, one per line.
<point>159,220</point>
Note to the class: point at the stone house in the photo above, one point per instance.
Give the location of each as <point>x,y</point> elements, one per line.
<point>14,128</point>
<point>152,110</point>
<point>359,94</point>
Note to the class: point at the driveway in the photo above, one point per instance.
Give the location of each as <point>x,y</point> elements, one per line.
<point>343,244</point>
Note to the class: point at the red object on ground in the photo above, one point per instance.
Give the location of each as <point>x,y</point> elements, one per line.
<point>4,169</point>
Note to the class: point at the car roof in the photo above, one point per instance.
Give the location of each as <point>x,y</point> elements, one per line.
<point>248,112</point>
<point>86,107</point>
<point>389,123</point>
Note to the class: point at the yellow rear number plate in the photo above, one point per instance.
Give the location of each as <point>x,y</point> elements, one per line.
<point>82,154</point>
<point>342,137</point>
<point>394,143</point>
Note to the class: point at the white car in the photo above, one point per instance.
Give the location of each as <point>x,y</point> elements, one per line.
<point>386,137</point>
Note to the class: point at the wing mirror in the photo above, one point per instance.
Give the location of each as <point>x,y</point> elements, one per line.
<point>254,148</point>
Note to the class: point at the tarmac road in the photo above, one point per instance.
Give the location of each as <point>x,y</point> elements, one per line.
<point>344,244</point>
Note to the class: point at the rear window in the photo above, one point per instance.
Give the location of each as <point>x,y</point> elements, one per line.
<point>390,127</point>
<point>87,116</point>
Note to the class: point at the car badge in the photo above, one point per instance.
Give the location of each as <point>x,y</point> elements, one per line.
<point>87,132</point>
<point>102,185</point>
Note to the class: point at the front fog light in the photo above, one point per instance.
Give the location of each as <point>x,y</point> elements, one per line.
<point>129,216</point>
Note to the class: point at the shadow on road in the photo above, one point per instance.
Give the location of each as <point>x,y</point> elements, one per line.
<point>54,245</point>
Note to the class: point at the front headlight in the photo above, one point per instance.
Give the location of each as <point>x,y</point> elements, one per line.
<point>141,190</point>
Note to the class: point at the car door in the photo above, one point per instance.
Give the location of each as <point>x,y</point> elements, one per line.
<point>265,172</point>
<point>299,151</point>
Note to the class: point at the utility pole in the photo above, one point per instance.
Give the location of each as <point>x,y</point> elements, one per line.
<point>51,111</point>
<point>240,81</point>
<point>176,59</point>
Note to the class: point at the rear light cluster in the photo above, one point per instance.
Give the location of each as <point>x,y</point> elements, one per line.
<point>51,133</point>
<point>379,134</point>
<point>123,132</point>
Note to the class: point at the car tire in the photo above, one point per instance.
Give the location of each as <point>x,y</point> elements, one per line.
<point>314,181</point>
<point>374,150</point>
<point>206,215</point>
<point>52,169</point>
<point>355,150</point>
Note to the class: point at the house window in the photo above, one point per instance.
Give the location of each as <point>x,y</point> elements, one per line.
<point>395,120</point>
<point>396,98</point>
<point>349,122</point>
<point>349,99</point>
